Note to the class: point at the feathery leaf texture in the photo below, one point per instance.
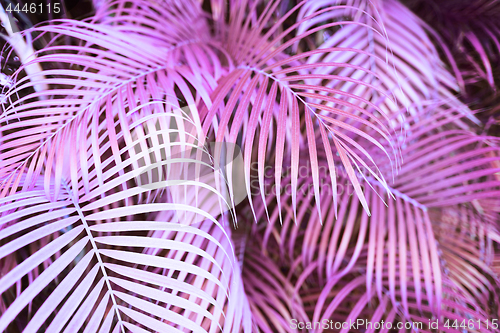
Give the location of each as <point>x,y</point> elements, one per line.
<point>365,188</point>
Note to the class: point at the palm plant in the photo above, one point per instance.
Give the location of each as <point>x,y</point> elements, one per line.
<point>118,213</point>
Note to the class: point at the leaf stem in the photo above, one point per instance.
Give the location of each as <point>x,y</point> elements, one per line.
<point>96,251</point>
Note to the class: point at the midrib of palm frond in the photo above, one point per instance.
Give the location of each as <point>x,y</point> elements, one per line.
<point>94,103</point>
<point>95,249</point>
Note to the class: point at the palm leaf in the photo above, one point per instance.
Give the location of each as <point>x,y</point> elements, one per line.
<point>116,213</point>
<point>135,265</point>
<point>404,40</point>
<point>402,238</point>
<point>263,97</point>
<point>107,74</point>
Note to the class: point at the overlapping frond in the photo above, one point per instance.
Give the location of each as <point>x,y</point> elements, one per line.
<point>106,75</point>
<point>346,299</point>
<point>276,98</point>
<point>120,179</point>
<point>406,62</point>
<point>444,167</point>
<point>122,255</point>
<point>470,30</point>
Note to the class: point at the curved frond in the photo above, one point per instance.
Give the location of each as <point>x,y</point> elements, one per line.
<point>275,98</point>
<point>406,62</point>
<point>107,261</point>
<point>372,193</point>
<point>107,74</point>
<point>402,237</point>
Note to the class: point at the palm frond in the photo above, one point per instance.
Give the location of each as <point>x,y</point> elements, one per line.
<point>406,62</point>
<point>108,261</point>
<point>107,74</point>
<point>402,238</point>
<point>122,202</point>
<point>269,96</point>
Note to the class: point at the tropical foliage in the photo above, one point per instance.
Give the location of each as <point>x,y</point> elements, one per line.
<point>247,165</point>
